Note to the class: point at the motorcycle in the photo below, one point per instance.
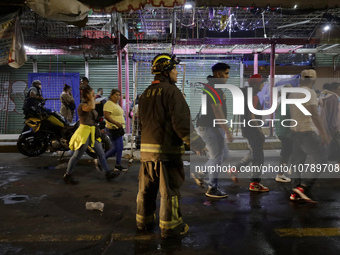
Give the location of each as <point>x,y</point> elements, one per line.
<point>49,128</point>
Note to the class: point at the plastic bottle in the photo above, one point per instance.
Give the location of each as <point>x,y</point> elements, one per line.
<point>95,206</point>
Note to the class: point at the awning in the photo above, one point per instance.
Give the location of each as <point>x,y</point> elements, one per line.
<point>128,5</point>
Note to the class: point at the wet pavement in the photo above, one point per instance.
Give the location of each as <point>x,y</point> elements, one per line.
<point>39,214</point>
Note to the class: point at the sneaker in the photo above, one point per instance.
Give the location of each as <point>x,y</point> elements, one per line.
<point>120,168</point>
<point>98,166</point>
<point>282,178</point>
<point>199,181</point>
<point>178,231</point>
<point>215,193</point>
<point>110,175</point>
<point>233,174</point>
<point>68,179</point>
<point>256,186</point>
<point>294,197</point>
<point>302,193</point>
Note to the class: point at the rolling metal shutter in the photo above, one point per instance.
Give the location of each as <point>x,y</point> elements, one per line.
<point>196,70</point>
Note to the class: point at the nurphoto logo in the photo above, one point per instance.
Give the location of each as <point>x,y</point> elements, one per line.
<point>238,104</point>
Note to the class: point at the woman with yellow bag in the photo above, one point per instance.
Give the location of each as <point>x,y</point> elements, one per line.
<point>86,135</point>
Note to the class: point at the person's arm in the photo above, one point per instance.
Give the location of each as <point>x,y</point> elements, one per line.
<point>68,98</point>
<point>317,122</point>
<point>109,119</point>
<point>218,112</point>
<point>90,105</point>
<point>35,96</point>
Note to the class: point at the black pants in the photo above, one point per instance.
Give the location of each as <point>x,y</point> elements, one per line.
<point>256,142</point>
<point>286,149</point>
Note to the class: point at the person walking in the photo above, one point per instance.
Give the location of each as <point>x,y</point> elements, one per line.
<point>115,124</point>
<point>283,133</point>
<point>305,139</point>
<point>214,137</point>
<point>86,135</point>
<point>330,116</point>
<point>165,122</point>
<point>67,106</point>
<point>254,135</point>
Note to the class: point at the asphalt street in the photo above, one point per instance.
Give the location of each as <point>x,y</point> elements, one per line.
<point>39,214</point>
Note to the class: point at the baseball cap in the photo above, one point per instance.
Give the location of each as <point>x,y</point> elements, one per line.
<point>310,73</point>
<point>255,79</point>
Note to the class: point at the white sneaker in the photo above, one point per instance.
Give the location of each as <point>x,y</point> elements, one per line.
<point>282,178</point>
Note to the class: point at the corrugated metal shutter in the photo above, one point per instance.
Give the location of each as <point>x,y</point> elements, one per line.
<point>196,70</point>
<point>103,73</point>
<point>19,78</point>
<point>324,60</point>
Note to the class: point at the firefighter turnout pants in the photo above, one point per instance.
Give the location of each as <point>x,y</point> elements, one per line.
<point>167,177</point>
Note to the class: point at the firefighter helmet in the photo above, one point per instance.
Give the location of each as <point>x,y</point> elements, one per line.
<point>164,62</point>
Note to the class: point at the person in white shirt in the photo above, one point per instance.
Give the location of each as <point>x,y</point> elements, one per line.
<point>305,139</point>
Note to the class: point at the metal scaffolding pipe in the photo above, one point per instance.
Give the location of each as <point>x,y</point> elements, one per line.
<point>272,82</point>
<point>174,34</point>
<point>119,66</point>
<point>256,63</point>
<point>127,92</point>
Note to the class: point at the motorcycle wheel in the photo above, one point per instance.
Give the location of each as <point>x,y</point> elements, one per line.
<point>106,143</point>
<point>31,146</point>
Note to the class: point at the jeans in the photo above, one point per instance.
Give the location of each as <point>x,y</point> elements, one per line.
<point>117,147</point>
<point>286,149</point>
<point>218,150</point>
<point>306,143</point>
<point>79,153</point>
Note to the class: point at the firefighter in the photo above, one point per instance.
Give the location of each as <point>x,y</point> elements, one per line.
<point>165,122</point>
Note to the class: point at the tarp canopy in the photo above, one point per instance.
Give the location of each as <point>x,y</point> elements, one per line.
<point>127,5</point>
<point>301,4</point>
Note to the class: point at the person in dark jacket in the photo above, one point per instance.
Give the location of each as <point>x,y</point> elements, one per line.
<point>214,137</point>
<point>164,118</point>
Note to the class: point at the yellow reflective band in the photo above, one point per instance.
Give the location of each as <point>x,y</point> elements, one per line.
<point>194,137</point>
<point>156,148</point>
<point>173,208</point>
<point>145,219</point>
<point>170,224</point>
<point>160,57</point>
